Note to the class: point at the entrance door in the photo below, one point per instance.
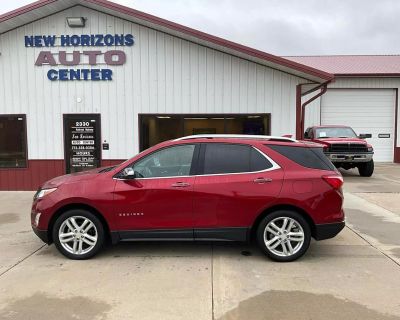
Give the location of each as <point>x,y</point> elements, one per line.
<point>82,142</point>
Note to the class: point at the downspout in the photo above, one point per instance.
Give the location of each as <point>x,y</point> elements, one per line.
<point>300,112</point>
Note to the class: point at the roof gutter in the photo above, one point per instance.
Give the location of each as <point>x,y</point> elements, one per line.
<point>301,108</point>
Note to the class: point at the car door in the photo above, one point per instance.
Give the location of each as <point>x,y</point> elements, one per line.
<point>235,184</point>
<point>160,197</point>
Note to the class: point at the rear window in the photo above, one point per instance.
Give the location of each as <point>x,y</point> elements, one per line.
<point>233,158</point>
<point>313,158</point>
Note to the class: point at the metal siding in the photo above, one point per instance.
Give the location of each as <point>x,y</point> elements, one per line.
<point>312,116</point>
<point>31,178</point>
<point>194,77</point>
<point>234,90</point>
<point>162,74</point>
<point>210,84</point>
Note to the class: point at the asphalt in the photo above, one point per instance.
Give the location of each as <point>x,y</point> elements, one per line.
<point>353,276</point>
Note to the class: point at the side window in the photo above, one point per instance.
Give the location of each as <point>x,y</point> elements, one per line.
<point>258,162</point>
<point>169,162</point>
<point>308,134</point>
<point>223,158</point>
<point>13,153</point>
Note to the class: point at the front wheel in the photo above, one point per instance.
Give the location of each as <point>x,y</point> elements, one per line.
<point>366,169</point>
<point>78,234</point>
<point>284,236</point>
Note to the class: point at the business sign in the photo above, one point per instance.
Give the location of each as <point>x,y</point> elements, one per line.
<point>77,58</point>
<point>82,141</point>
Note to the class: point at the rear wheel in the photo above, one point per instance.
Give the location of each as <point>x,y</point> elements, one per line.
<point>366,169</point>
<point>284,235</point>
<point>78,234</point>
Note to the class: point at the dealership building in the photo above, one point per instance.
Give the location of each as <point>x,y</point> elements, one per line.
<point>89,83</point>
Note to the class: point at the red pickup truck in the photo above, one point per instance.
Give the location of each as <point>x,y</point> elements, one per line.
<point>344,147</point>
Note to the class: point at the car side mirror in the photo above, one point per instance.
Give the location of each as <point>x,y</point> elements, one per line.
<point>128,173</point>
<point>365,135</point>
<point>306,135</point>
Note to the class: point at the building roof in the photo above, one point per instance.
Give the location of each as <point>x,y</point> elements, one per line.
<point>43,8</point>
<point>354,65</point>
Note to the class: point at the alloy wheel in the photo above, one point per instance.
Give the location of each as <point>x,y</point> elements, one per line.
<point>284,236</point>
<point>78,235</point>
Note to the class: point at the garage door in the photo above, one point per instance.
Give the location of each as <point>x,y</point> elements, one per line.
<point>366,111</point>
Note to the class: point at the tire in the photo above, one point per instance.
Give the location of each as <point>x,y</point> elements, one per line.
<point>300,232</point>
<point>67,228</point>
<point>366,169</point>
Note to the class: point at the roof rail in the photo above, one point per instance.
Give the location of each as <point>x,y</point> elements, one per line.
<point>237,136</point>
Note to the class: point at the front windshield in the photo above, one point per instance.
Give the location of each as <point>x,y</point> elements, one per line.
<point>335,132</point>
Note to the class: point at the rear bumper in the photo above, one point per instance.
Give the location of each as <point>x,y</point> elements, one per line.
<point>349,157</point>
<point>42,234</point>
<point>328,230</point>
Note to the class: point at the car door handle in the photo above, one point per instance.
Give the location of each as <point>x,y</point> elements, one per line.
<point>262,180</point>
<point>180,185</point>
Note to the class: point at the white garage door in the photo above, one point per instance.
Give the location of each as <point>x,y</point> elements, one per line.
<point>366,111</point>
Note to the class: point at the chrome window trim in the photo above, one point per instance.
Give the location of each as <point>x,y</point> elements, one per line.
<point>275,166</point>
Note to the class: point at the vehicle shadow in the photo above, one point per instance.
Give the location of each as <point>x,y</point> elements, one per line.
<point>203,249</point>
<point>177,249</point>
<point>350,173</point>
<point>199,249</point>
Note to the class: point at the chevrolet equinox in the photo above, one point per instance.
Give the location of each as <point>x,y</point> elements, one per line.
<point>276,190</point>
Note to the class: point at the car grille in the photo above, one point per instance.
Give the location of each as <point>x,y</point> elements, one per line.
<point>348,147</point>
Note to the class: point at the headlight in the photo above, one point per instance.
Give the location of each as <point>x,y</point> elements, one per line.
<point>370,149</point>
<point>44,192</point>
<point>37,218</point>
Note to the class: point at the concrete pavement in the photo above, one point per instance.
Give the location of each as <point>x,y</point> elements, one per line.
<point>353,276</point>
<point>373,207</point>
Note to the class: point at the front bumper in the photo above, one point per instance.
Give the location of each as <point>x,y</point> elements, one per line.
<point>328,230</point>
<point>42,234</point>
<point>349,157</point>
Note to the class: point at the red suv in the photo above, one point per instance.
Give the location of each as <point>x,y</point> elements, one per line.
<point>276,190</point>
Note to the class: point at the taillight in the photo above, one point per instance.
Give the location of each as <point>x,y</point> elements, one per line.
<point>335,182</point>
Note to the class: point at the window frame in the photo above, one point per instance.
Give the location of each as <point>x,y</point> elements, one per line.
<point>25,134</point>
<point>193,166</point>
<point>201,161</point>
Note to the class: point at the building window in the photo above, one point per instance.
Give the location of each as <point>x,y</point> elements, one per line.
<point>13,153</point>
<point>155,128</point>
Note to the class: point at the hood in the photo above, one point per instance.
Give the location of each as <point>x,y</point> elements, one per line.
<point>328,141</point>
<point>73,177</point>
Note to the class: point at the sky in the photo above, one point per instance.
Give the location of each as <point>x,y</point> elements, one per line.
<point>283,27</point>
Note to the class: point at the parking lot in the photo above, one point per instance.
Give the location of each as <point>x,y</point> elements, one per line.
<point>353,276</point>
